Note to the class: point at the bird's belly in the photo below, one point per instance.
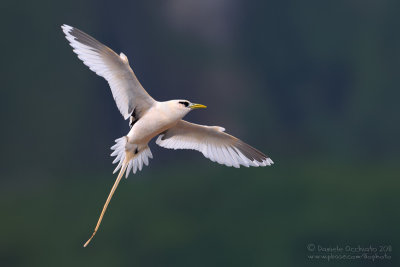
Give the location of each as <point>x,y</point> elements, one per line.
<point>147,128</point>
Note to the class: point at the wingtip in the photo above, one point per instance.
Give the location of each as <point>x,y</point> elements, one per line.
<point>66,28</point>
<point>265,162</point>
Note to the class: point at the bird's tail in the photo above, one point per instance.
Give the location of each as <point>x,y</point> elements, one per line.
<point>139,156</point>
<point>121,173</point>
<point>130,156</point>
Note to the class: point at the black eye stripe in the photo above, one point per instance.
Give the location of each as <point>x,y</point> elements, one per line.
<point>185,103</point>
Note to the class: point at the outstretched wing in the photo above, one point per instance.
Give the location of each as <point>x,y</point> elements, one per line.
<point>214,143</point>
<point>128,93</point>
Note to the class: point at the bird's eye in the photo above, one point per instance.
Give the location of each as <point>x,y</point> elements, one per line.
<point>185,103</point>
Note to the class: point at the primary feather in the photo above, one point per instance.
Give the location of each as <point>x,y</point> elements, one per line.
<point>127,91</point>
<point>214,143</point>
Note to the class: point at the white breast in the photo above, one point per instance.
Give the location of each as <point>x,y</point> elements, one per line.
<point>156,120</point>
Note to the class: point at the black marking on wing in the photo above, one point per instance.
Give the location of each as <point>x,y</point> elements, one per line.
<point>133,118</point>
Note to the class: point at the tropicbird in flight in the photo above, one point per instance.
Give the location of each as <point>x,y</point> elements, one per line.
<point>150,118</point>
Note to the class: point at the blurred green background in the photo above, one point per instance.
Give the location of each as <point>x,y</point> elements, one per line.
<point>313,84</point>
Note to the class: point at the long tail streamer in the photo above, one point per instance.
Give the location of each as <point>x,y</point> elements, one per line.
<point>121,173</point>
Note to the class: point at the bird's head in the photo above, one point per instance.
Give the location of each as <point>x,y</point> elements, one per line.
<point>187,105</point>
<point>184,106</point>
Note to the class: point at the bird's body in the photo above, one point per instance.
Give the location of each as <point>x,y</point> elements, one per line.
<point>156,120</point>
<point>150,118</point>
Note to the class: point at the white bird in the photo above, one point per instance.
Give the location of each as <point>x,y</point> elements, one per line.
<point>149,118</point>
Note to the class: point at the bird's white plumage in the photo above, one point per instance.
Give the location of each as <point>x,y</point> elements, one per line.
<point>136,163</point>
<point>150,118</point>
<point>128,93</point>
<point>214,143</point>
<point>133,101</point>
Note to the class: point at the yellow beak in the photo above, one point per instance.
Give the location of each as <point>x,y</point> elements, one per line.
<point>194,106</point>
